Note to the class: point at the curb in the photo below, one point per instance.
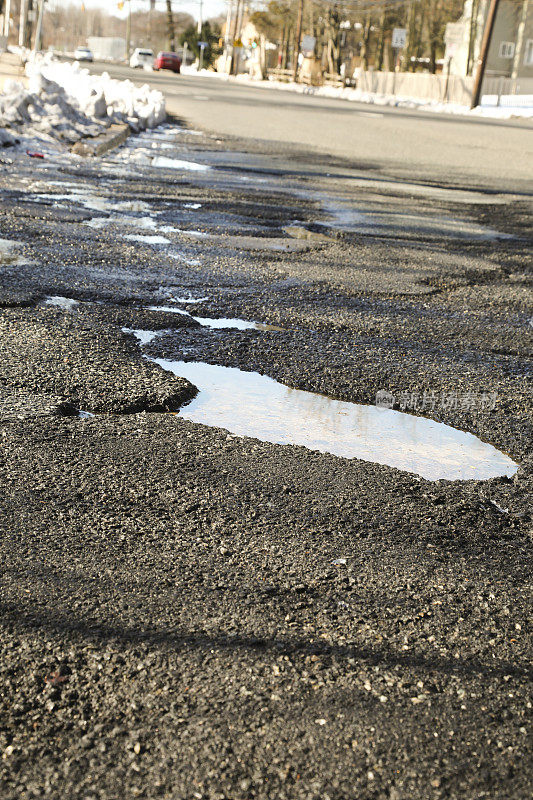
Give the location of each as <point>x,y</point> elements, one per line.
<point>98,145</point>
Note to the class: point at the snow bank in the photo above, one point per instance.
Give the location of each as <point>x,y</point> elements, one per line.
<point>64,102</point>
<point>100,95</point>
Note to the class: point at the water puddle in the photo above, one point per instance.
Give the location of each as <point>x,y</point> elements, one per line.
<point>143,337</point>
<point>176,163</point>
<point>250,404</point>
<point>221,322</point>
<point>169,309</point>
<point>66,303</point>
<point>238,324</point>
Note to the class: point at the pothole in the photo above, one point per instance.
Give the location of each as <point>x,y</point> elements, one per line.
<point>300,232</point>
<point>254,405</point>
<point>250,404</point>
<point>271,243</point>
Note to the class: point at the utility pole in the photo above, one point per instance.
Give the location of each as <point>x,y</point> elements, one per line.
<point>298,39</point>
<point>7,14</point>
<point>485,45</point>
<point>227,34</point>
<point>520,39</point>
<point>39,30</point>
<point>128,32</point>
<point>200,19</point>
<point>23,22</point>
<point>233,64</point>
<point>170,28</point>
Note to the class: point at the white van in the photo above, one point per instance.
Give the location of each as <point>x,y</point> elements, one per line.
<point>142,57</point>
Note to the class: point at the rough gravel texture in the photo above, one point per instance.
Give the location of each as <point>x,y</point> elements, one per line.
<point>174,624</point>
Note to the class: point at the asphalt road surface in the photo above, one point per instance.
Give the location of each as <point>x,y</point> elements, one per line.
<point>190,613</point>
<point>478,152</point>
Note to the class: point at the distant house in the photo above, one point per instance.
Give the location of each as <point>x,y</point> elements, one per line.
<point>511,49</point>
<point>252,49</point>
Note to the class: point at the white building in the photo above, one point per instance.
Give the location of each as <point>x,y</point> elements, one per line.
<point>511,49</point>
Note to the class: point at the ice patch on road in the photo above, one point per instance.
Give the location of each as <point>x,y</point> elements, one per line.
<point>147,223</point>
<point>66,303</point>
<point>189,299</point>
<point>176,163</point>
<point>166,292</point>
<point>137,237</point>
<point>93,202</point>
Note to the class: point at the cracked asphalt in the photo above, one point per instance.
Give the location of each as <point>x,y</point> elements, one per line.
<point>191,614</point>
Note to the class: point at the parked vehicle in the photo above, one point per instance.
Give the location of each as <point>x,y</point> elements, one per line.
<point>83,54</point>
<point>169,61</point>
<point>142,57</point>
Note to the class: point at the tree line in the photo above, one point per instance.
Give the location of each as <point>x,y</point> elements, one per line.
<point>65,27</point>
<point>361,32</point>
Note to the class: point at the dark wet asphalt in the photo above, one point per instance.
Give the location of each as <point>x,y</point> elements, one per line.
<point>174,624</point>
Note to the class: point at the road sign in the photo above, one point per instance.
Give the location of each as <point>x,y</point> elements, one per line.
<point>454,37</point>
<point>399,38</point>
<point>202,44</point>
<point>308,44</point>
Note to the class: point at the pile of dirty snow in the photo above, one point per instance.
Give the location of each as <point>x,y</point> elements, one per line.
<point>101,96</point>
<point>64,102</point>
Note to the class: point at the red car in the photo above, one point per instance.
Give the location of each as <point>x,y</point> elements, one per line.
<point>168,61</point>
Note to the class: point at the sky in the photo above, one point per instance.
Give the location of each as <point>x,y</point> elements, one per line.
<point>211,8</point>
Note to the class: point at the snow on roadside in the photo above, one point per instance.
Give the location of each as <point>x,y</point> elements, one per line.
<point>100,95</point>
<point>487,109</point>
<point>65,102</point>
